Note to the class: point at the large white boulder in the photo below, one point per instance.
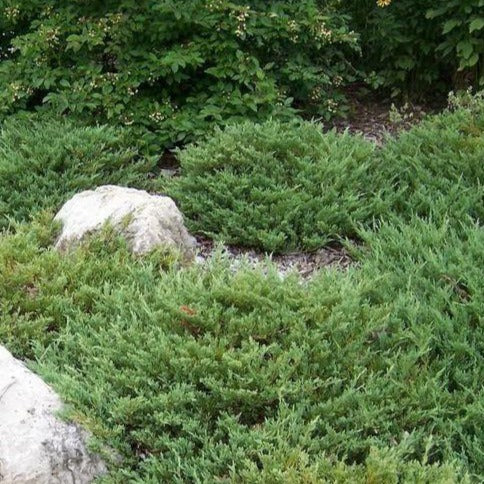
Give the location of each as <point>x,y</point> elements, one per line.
<point>36,447</point>
<point>147,221</point>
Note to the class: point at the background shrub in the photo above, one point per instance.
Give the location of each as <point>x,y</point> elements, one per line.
<point>421,47</point>
<point>278,186</point>
<point>44,162</point>
<point>173,68</point>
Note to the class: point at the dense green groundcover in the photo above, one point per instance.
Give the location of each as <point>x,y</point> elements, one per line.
<point>197,374</point>
<point>44,162</point>
<point>278,186</point>
<point>200,374</point>
<point>286,186</point>
<point>436,169</point>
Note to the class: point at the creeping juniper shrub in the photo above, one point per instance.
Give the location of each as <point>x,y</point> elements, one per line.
<point>278,186</point>
<point>436,169</point>
<point>205,373</point>
<point>285,186</point>
<point>43,163</point>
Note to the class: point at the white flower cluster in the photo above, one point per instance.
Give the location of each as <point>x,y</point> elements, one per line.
<point>127,119</point>
<point>323,33</point>
<point>106,24</point>
<point>40,60</point>
<point>47,12</point>
<point>102,79</point>
<point>241,16</point>
<point>163,112</point>
<point>216,5</point>
<point>110,76</point>
<point>331,105</point>
<point>116,18</point>
<point>50,35</point>
<point>16,90</point>
<point>11,13</point>
<point>157,117</point>
<point>293,28</point>
<point>316,94</point>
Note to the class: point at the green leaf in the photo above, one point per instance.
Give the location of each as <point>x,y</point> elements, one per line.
<point>476,24</point>
<point>449,25</point>
<point>436,12</point>
<point>472,61</point>
<point>406,63</point>
<point>465,48</point>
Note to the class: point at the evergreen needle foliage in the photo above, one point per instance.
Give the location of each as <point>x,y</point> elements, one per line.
<point>286,186</point>
<point>198,375</point>
<point>203,374</point>
<point>43,163</point>
<point>279,186</point>
<point>437,168</point>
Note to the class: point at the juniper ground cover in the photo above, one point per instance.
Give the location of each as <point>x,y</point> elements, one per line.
<point>203,374</point>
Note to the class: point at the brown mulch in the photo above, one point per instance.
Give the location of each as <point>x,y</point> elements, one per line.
<point>373,119</point>
<point>305,264</point>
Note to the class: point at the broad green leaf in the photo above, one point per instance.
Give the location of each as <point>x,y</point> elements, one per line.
<point>476,24</point>
<point>465,48</point>
<point>449,25</point>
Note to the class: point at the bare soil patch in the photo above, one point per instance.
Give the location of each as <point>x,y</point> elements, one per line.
<point>304,263</point>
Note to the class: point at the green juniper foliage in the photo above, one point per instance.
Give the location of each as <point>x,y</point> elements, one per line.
<point>199,374</point>
<point>436,169</point>
<point>278,186</point>
<point>43,163</point>
<point>208,374</point>
<point>203,374</point>
<point>282,186</point>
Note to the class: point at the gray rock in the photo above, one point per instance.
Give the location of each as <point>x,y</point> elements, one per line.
<point>147,221</point>
<point>35,445</point>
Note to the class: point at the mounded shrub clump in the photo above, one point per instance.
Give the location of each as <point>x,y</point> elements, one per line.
<point>370,375</point>
<point>44,162</point>
<point>436,169</point>
<point>278,186</point>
